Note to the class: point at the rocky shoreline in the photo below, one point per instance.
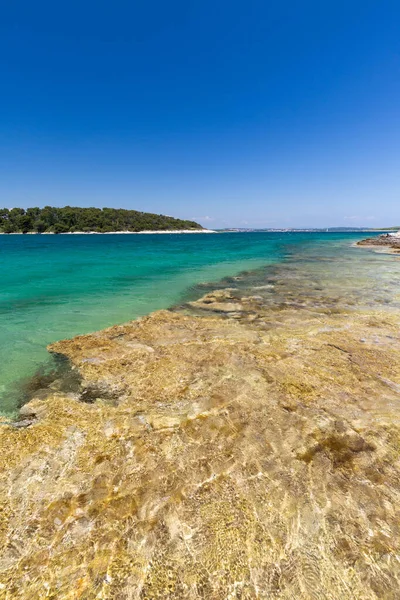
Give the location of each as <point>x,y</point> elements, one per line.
<point>243,445</point>
<point>387,240</point>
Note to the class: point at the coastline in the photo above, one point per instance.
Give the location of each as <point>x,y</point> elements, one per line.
<point>387,243</point>
<point>379,248</point>
<point>115,232</point>
<point>200,436</point>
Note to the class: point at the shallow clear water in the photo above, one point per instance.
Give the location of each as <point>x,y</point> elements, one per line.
<point>54,287</point>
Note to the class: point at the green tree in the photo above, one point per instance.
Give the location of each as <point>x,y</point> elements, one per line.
<point>70,218</point>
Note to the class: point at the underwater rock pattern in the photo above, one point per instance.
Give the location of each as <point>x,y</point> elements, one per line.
<point>243,453</point>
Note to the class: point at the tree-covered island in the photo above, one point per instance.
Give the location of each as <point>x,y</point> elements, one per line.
<point>70,219</point>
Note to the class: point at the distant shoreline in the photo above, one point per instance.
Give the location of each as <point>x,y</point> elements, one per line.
<point>184,231</point>
<point>146,232</point>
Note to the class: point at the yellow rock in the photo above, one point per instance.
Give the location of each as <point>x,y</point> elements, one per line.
<point>216,459</point>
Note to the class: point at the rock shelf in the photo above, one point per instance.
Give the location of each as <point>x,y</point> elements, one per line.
<point>229,449</point>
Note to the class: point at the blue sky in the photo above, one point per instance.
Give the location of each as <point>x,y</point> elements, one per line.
<point>257,113</point>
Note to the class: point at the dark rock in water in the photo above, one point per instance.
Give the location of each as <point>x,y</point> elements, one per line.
<point>23,423</point>
<point>55,376</point>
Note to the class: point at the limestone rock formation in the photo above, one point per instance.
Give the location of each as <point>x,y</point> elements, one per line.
<point>209,457</point>
<point>387,240</point>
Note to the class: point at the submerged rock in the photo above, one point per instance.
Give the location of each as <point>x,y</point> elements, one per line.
<point>223,301</point>
<point>217,459</point>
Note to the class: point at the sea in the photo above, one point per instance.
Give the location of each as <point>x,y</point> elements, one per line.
<point>57,286</point>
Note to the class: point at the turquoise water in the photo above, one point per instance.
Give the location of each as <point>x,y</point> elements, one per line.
<point>54,287</point>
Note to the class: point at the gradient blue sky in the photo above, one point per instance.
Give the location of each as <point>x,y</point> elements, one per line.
<point>255,113</point>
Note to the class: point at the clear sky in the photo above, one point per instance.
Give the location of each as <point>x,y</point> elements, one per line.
<point>256,113</point>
